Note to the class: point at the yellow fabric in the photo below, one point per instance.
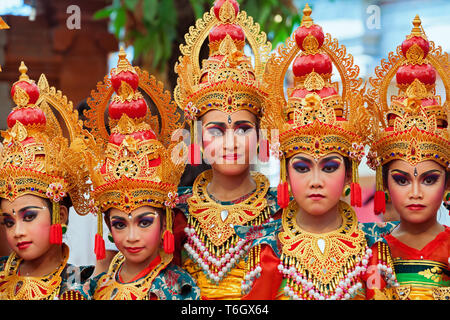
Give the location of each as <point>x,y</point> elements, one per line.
<point>227,289</point>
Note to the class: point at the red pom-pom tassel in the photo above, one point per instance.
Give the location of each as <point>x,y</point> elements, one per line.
<point>194,154</point>
<point>355,194</point>
<point>168,242</point>
<point>99,247</point>
<point>263,154</point>
<point>283,194</point>
<point>379,205</point>
<point>56,234</point>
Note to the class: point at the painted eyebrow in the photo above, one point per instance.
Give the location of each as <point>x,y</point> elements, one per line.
<point>321,162</point>
<point>330,158</point>
<point>23,209</point>
<point>244,122</point>
<point>402,172</point>
<point>303,159</point>
<point>138,216</point>
<point>422,175</point>
<point>220,124</point>
<point>118,218</point>
<point>431,171</point>
<point>148,213</point>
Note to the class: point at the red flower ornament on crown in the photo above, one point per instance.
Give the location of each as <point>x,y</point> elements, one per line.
<point>316,119</point>
<point>36,158</point>
<point>136,165</point>
<point>227,81</point>
<point>414,126</point>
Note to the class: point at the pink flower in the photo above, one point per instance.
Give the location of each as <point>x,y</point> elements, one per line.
<point>190,112</point>
<point>55,192</point>
<point>172,200</point>
<point>275,150</point>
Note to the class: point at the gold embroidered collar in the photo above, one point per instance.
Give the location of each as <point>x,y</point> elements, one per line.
<point>15,287</point>
<point>325,257</point>
<point>217,220</point>
<point>111,289</point>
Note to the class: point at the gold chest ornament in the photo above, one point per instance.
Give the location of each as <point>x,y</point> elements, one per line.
<point>323,266</point>
<point>110,289</point>
<point>15,287</point>
<point>212,242</point>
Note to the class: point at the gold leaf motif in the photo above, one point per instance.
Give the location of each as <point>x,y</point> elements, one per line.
<point>130,143</point>
<point>416,90</point>
<point>19,132</point>
<point>126,125</point>
<point>415,54</point>
<point>227,46</point>
<point>314,82</point>
<point>20,97</point>
<point>227,12</point>
<point>434,274</point>
<point>310,44</point>
<point>125,91</point>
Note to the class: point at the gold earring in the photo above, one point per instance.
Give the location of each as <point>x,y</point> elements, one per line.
<point>446,196</point>
<point>387,196</point>
<point>346,190</point>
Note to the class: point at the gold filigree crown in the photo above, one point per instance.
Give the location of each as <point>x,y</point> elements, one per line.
<point>227,81</point>
<point>315,119</point>
<point>37,158</point>
<point>138,163</point>
<point>414,126</point>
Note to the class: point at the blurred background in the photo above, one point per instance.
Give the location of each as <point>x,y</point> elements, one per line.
<point>75,43</point>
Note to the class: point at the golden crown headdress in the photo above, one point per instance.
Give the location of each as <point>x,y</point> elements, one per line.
<point>136,164</point>
<point>227,81</point>
<point>39,156</point>
<point>315,118</point>
<point>413,125</point>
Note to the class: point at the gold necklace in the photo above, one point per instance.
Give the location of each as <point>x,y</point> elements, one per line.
<point>110,289</point>
<point>212,242</point>
<point>216,221</point>
<point>326,265</point>
<point>15,287</point>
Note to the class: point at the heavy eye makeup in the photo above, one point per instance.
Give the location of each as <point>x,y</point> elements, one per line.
<point>431,178</point>
<point>147,219</point>
<point>328,165</point>
<point>217,129</point>
<point>143,220</point>
<point>427,178</point>
<point>243,127</point>
<point>118,223</point>
<point>26,215</point>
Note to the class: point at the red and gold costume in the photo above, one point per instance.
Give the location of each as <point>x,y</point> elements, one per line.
<point>223,264</point>
<point>37,159</point>
<point>136,164</point>
<point>317,120</point>
<point>413,127</point>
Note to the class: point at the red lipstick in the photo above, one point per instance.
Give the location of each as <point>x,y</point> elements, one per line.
<point>23,245</point>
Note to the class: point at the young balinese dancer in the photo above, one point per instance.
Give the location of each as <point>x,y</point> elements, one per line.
<point>135,170</point>
<point>40,178</point>
<point>411,155</point>
<point>223,101</point>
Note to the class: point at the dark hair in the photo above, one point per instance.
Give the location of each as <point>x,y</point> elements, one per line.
<point>66,201</point>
